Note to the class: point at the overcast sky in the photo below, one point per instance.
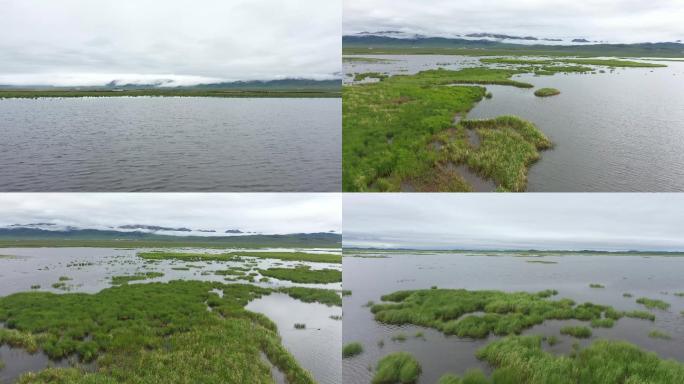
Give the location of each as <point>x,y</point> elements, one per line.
<point>603,20</point>
<point>86,42</point>
<point>256,212</point>
<point>515,221</point>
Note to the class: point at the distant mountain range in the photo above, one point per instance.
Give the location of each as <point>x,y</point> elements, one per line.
<point>19,234</point>
<point>257,85</point>
<point>379,42</point>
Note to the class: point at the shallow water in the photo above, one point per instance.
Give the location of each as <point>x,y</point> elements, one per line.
<point>617,131</point>
<point>370,278</point>
<point>317,347</point>
<point>91,269</point>
<point>170,144</point>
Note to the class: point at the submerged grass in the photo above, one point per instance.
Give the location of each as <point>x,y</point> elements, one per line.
<point>397,367</point>
<point>150,333</point>
<point>119,280</point>
<point>388,128</point>
<point>576,331</point>
<point>304,275</point>
<point>658,334</point>
<point>477,314</point>
<point>521,359</point>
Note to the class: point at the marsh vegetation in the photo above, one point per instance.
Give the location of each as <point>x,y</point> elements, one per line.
<point>401,134</point>
<point>114,316</point>
<point>570,334</point>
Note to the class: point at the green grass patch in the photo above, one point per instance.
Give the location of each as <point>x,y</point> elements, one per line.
<point>351,350</point>
<point>304,275</point>
<point>119,280</point>
<point>313,295</point>
<point>653,303</point>
<point>477,314</point>
<point>576,331</point>
<point>602,323</point>
<point>546,92</point>
<point>150,333</point>
<point>594,285</point>
<point>397,367</point>
<point>643,315</point>
<point>521,359</point>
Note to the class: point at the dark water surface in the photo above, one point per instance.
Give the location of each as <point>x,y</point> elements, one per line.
<point>370,278</point>
<point>618,131</point>
<point>170,144</point>
<point>317,348</point>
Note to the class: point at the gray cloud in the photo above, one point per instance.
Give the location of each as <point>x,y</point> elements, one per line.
<point>602,20</point>
<point>258,212</point>
<point>515,221</point>
<point>82,42</point>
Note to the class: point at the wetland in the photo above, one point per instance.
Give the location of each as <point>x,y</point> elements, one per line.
<point>610,125</point>
<point>114,315</point>
<point>448,316</point>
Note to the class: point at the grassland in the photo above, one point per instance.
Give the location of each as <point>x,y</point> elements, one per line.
<point>304,275</point>
<point>546,92</point>
<point>34,94</point>
<point>457,311</point>
<point>228,256</point>
<point>397,367</point>
<point>401,133</point>
<point>150,333</point>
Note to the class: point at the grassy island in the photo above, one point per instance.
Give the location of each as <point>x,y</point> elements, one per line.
<point>397,367</point>
<point>304,275</point>
<point>546,92</point>
<point>477,314</point>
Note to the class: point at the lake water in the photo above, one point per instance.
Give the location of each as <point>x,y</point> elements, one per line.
<point>317,348</point>
<point>170,144</point>
<point>370,278</point>
<point>617,131</point>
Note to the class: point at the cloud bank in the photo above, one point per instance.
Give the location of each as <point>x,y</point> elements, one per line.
<point>515,221</point>
<point>267,213</point>
<point>619,21</point>
<point>83,42</point>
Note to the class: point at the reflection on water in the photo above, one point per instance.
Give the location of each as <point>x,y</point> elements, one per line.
<point>370,278</point>
<point>170,144</point>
